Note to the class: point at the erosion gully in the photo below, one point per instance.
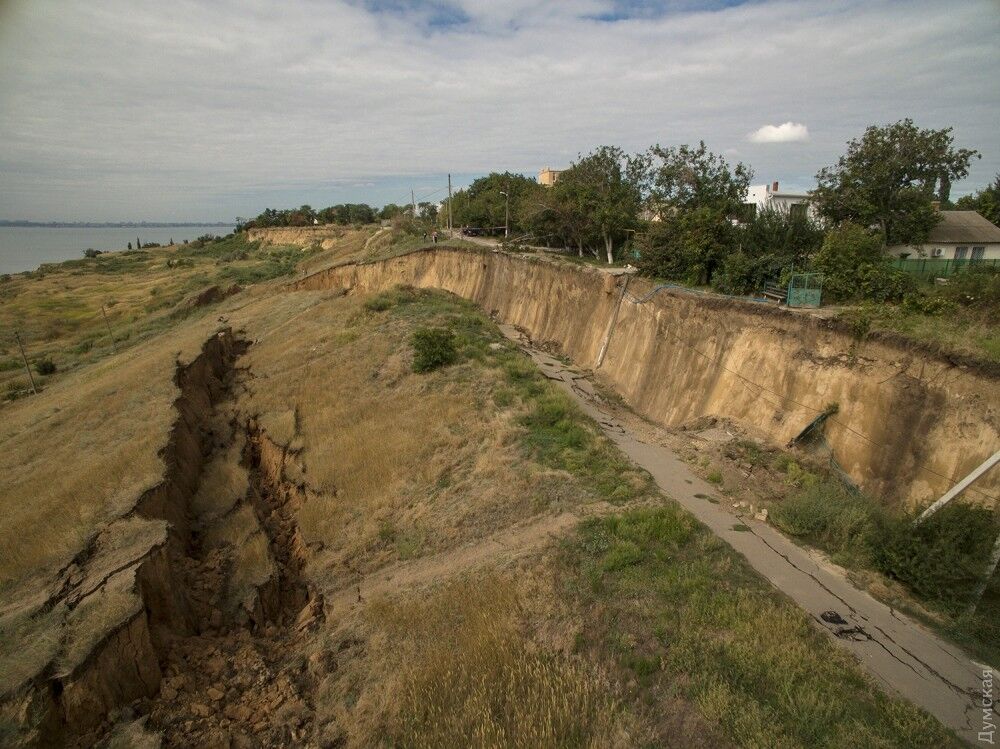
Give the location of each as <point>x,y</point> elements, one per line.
<point>221,676</point>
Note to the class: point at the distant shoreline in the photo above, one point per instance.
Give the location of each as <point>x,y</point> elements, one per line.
<point>111,224</point>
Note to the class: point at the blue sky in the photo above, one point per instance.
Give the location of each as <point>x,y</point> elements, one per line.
<point>117,109</point>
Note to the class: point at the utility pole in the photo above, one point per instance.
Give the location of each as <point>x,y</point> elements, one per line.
<point>450,229</point>
<point>506,213</point>
<point>25,360</point>
<point>413,202</point>
<point>110,334</point>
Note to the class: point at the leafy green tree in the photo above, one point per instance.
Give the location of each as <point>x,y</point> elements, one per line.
<point>986,201</point>
<point>605,186</point>
<point>889,177</point>
<point>484,204</point>
<point>770,244</point>
<point>854,266</point>
<point>428,211</point>
<point>687,246</point>
<point>391,211</point>
<point>688,178</point>
<point>543,216</point>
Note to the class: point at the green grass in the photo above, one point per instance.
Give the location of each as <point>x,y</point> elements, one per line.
<point>939,561</point>
<point>556,433</point>
<point>962,316</point>
<point>680,612</point>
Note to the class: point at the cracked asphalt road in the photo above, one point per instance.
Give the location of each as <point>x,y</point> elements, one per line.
<point>900,654</point>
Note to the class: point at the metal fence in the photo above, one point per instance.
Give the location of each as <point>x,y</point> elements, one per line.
<point>925,268</point>
<point>805,290</point>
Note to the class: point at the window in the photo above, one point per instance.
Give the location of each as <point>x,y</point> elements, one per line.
<point>797,210</point>
<point>961,252</point>
<point>978,253</point>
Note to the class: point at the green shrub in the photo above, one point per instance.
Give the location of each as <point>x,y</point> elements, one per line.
<point>976,287</point>
<point>854,266</point>
<point>830,517</point>
<point>940,559</point>
<point>929,304</point>
<point>45,366</point>
<point>432,348</point>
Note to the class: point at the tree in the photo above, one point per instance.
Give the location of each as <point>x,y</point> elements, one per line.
<point>686,178</point>
<point>483,203</point>
<point>390,211</point>
<point>769,244</point>
<point>854,266</point>
<point>889,177</point>
<point>550,216</point>
<point>428,211</point>
<point>986,201</point>
<point>606,187</point>
<point>687,245</point>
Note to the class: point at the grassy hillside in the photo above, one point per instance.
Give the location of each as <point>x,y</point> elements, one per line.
<point>57,309</point>
<point>402,533</point>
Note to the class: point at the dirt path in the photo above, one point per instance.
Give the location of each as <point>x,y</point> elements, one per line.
<point>900,654</point>
<point>503,546</point>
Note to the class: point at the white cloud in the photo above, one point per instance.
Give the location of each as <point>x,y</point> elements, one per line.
<point>136,108</point>
<point>786,132</point>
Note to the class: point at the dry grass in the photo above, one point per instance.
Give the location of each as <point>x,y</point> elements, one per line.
<point>417,463</point>
<point>81,452</point>
<point>461,671</point>
<point>57,309</point>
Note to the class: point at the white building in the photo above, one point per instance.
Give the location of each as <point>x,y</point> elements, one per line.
<point>769,196</point>
<point>959,235</point>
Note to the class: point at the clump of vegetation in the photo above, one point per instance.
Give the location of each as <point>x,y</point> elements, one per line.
<point>379,303</point>
<point>45,366</point>
<point>558,435</point>
<point>854,266</point>
<point>940,560</point>
<point>433,348</point>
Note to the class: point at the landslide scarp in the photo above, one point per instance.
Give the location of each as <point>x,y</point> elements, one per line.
<point>108,622</point>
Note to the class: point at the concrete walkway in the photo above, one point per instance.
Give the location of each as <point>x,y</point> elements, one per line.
<point>900,654</point>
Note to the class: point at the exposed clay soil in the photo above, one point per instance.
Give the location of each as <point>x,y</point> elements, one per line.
<point>237,683</point>
<point>227,675</point>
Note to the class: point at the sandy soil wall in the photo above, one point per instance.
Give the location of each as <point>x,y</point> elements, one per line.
<point>909,423</point>
<point>324,235</point>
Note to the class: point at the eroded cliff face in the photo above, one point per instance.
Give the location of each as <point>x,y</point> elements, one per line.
<point>909,424</point>
<point>325,235</point>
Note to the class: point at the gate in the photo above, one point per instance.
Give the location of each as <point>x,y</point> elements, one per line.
<point>805,290</point>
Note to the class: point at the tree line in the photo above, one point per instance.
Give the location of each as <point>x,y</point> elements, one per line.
<point>679,213</point>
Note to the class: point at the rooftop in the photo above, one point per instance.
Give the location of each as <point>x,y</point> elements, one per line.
<point>964,226</point>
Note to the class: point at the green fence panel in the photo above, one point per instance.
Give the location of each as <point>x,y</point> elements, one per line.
<point>943,268</point>
<point>805,290</point>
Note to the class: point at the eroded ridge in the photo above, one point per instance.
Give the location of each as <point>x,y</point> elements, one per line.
<point>179,616</point>
<point>238,678</point>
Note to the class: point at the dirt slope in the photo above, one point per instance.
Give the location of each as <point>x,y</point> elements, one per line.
<point>908,424</point>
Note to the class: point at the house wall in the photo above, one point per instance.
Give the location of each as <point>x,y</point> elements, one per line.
<point>991,250</point>
<point>763,197</point>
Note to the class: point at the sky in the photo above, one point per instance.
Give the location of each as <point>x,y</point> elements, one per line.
<point>132,110</point>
